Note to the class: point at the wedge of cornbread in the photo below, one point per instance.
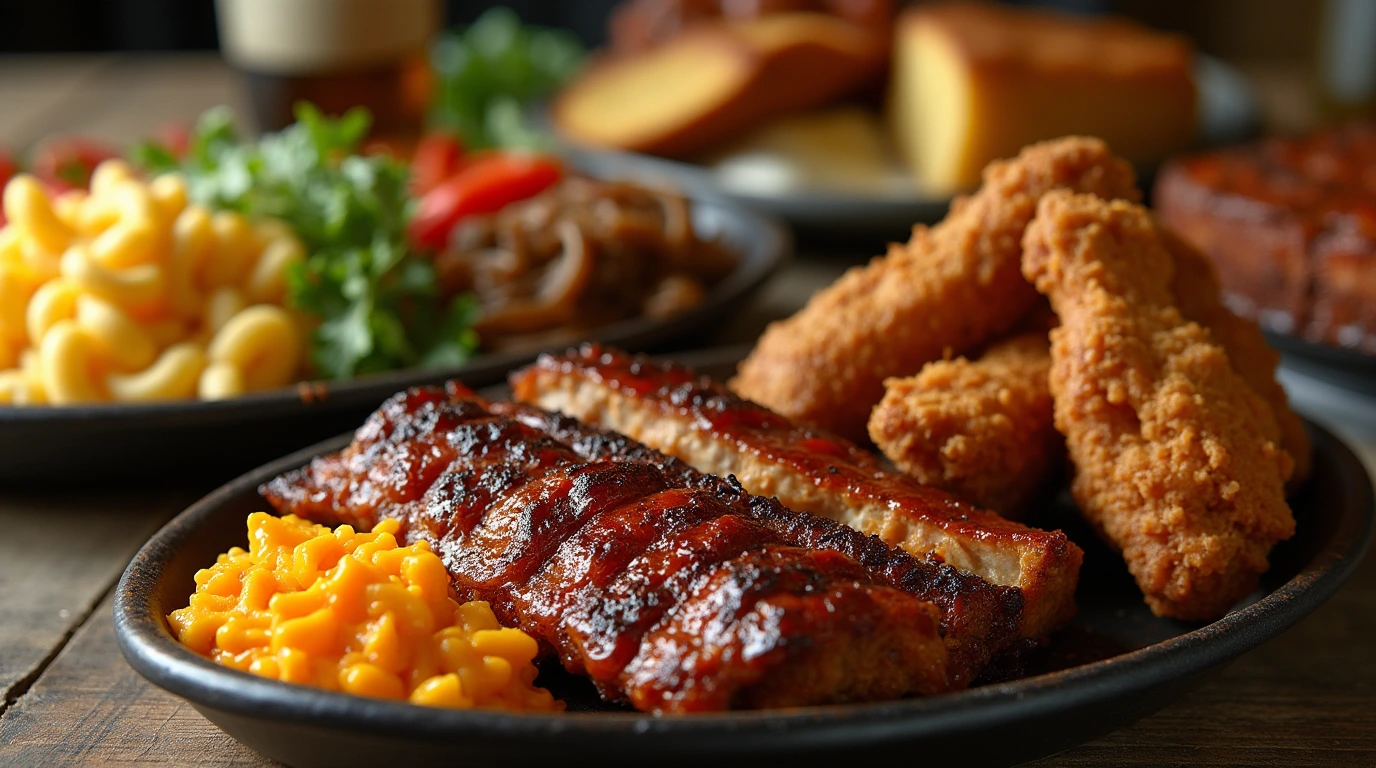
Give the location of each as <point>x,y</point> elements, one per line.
<point>973,82</point>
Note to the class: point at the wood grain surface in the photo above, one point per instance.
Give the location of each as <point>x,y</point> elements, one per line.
<point>60,556</point>
<point>91,708</point>
<point>1308,698</point>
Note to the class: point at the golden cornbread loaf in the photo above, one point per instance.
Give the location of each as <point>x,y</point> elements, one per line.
<point>974,82</point>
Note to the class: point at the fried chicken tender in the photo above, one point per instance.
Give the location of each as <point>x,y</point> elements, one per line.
<point>1175,463</point>
<point>950,290</point>
<point>1197,293</point>
<point>981,429</point>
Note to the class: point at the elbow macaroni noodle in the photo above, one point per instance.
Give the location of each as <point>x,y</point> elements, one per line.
<point>128,293</point>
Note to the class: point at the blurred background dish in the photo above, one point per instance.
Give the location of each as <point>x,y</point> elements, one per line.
<point>903,123</point>
<point>834,173</point>
<point>127,443</point>
<point>202,264</point>
<point>914,101</point>
<point>1348,369</point>
<point>1290,223</point>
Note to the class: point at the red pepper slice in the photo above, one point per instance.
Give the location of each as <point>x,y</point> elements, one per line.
<point>7,167</point>
<point>7,170</point>
<point>486,186</point>
<point>66,162</point>
<point>439,156</point>
<point>175,137</point>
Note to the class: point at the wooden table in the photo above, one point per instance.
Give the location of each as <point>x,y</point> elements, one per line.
<point>1306,698</point>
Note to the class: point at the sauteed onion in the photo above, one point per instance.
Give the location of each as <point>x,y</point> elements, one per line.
<point>584,254</point>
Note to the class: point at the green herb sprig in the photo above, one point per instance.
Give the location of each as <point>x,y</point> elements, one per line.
<point>377,301</point>
<point>487,73</point>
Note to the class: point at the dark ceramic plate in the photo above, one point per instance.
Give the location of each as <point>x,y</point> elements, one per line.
<point>1228,113</point>
<point>214,441</point>
<point>1346,368</point>
<point>1114,664</point>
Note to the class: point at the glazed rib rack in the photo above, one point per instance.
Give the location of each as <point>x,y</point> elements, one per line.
<point>671,592</point>
<point>672,409</point>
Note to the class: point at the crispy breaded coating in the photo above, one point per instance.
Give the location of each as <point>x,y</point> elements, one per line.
<point>981,429</point>
<point>949,290</point>
<point>1174,460</point>
<point>1197,293</point>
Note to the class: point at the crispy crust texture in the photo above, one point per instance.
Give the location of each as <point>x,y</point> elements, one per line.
<point>981,429</point>
<point>949,290</point>
<point>1175,460</point>
<point>671,409</point>
<point>1195,286</point>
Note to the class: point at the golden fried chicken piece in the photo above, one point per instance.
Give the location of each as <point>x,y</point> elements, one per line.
<point>981,429</point>
<point>949,290</point>
<point>1174,460</point>
<point>1195,285</point>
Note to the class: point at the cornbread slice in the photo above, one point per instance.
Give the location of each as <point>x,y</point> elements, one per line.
<point>973,82</point>
<point>716,80</point>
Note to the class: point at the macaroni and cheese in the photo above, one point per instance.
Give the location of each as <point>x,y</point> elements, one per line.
<point>358,613</point>
<point>128,293</point>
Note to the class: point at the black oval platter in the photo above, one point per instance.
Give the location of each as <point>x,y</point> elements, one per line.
<point>1115,663</point>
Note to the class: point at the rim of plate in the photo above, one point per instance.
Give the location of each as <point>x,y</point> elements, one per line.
<point>765,245</point>
<point>150,648</point>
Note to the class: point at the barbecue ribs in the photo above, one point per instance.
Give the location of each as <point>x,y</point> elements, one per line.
<point>672,593</point>
<point>673,410</point>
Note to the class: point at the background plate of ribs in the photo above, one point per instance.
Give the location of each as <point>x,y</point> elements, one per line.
<point>1289,224</point>
<point>685,610</point>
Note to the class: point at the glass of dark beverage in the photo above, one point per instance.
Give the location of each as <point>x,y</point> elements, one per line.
<point>336,54</point>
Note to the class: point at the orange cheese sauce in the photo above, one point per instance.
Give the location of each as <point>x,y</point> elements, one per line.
<point>355,612</point>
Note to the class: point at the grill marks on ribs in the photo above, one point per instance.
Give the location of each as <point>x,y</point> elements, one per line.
<point>979,620</point>
<point>671,409</point>
<point>662,593</point>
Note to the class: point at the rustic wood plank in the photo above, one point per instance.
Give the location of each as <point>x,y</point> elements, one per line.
<point>59,554</point>
<point>1306,698</point>
<point>34,89</point>
<point>130,99</point>
<point>119,100</point>
<point>91,708</point>
<point>20,73</point>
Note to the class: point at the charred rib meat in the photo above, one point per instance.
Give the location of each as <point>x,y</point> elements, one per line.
<point>664,593</point>
<point>673,410</point>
